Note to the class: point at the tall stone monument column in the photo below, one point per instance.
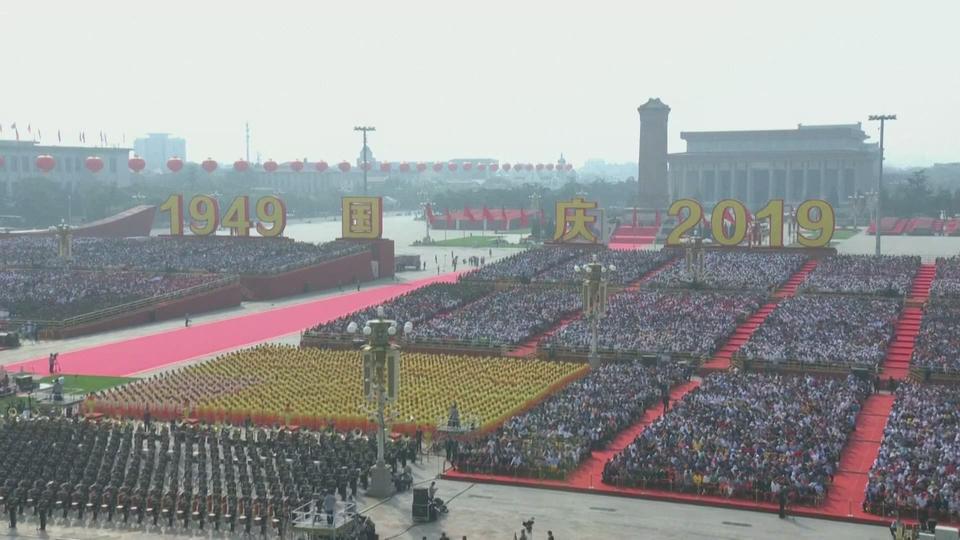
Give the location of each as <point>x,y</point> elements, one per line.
<point>652,165</point>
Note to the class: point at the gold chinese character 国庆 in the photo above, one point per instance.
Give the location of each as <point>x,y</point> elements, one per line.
<point>362,217</point>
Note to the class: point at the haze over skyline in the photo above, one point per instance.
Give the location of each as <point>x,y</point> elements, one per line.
<point>441,80</point>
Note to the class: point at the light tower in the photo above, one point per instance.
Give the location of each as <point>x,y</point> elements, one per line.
<point>594,300</point>
<point>381,387</point>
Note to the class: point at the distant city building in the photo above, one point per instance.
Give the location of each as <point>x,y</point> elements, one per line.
<point>157,148</point>
<point>18,161</point>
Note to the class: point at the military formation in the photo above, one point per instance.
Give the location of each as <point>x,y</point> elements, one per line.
<point>236,479</point>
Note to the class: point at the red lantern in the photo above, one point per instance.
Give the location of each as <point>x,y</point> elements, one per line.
<point>270,165</point>
<point>494,167</point>
<point>421,167</point>
<point>241,165</point>
<point>344,166</point>
<point>438,167</point>
<point>209,165</point>
<point>175,164</point>
<point>296,166</point>
<point>93,164</point>
<point>452,167</point>
<point>549,166</point>
<point>321,166</point>
<point>385,166</point>
<point>404,167</point>
<point>506,166</point>
<point>45,163</point>
<point>467,166</point>
<point>136,163</point>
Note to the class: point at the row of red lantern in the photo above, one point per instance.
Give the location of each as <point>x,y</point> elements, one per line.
<point>94,164</point>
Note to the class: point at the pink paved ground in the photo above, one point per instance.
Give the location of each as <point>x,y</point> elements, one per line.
<point>145,353</point>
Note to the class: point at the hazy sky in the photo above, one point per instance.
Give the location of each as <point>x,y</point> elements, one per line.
<point>514,80</point>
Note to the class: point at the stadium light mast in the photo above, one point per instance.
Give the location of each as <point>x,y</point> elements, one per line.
<point>381,387</point>
<point>594,300</point>
<point>365,129</point>
<point>882,118</point>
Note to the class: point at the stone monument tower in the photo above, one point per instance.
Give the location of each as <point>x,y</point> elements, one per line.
<point>652,166</point>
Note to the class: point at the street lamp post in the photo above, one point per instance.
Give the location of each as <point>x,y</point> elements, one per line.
<point>694,260</point>
<point>424,205</point>
<point>64,240</point>
<point>856,204</point>
<point>381,385</point>
<point>594,300</point>
<point>882,118</point>
<point>365,129</point>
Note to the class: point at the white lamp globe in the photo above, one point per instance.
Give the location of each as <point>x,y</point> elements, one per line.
<point>367,330</point>
<point>392,331</point>
<point>613,268</point>
<point>352,328</point>
<point>380,312</point>
<point>576,268</point>
<point>407,327</point>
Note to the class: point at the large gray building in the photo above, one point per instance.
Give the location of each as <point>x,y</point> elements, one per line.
<point>18,161</point>
<point>829,162</point>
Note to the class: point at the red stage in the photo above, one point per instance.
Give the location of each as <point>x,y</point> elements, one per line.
<point>137,355</point>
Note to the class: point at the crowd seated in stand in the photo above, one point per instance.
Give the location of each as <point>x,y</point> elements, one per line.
<point>631,265</point>
<point>947,282</point>
<point>890,275</point>
<point>415,306</point>
<point>651,321</point>
<point>226,255</point>
<point>735,270</point>
<point>916,467</point>
<point>746,436</point>
<point>308,383</point>
<point>938,343</point>
<point>554,437</point>
<point>523,266</point>
<point>837,330</point>
<point>507,317</point>
<point>57,294</point>
<point>240,480</point>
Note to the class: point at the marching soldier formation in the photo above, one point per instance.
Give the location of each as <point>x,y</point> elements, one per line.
<point>177,475</point>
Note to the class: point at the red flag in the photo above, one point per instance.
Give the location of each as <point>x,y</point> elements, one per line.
<point>449,218</point>
<point>487,214</point>
<point>429,215</point>
<point>524,218</point>
<point>467,214</point>
<point>59,139</point>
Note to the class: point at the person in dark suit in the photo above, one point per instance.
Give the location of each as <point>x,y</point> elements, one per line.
<point>782,497</point>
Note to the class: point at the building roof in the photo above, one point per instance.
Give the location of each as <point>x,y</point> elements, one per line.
<point>52,148</point>
<point>802,132</point>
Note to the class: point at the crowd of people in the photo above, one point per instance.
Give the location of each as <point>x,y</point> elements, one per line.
<point>837,330</point>
<point>888,275</point>
<point>554,437</point>
<point>525,265</point>
<point>56,294</point>
<point>415,307</point>
<point>242,480</point>
<point>507,317</point>
<point>630,265</point>
<point>916,469</point>
<point>746,436</point>
<point>217,254</point>
<point>733,270</point>
<point>670,322</point>
<point>947,282</point>
<point>938,343</point>
<point>304,385</point>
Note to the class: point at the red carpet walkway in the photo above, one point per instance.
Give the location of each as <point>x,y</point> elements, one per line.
<point>844,500</point>
<point>846,495</point>
<point>529,348</point>
<point>132,356</point>
<point>721,360</point>
<point>899,354</point>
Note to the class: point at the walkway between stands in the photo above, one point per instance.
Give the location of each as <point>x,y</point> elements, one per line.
<point>896,365</point>
<point>721,360</point>
<point>154,351</point>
